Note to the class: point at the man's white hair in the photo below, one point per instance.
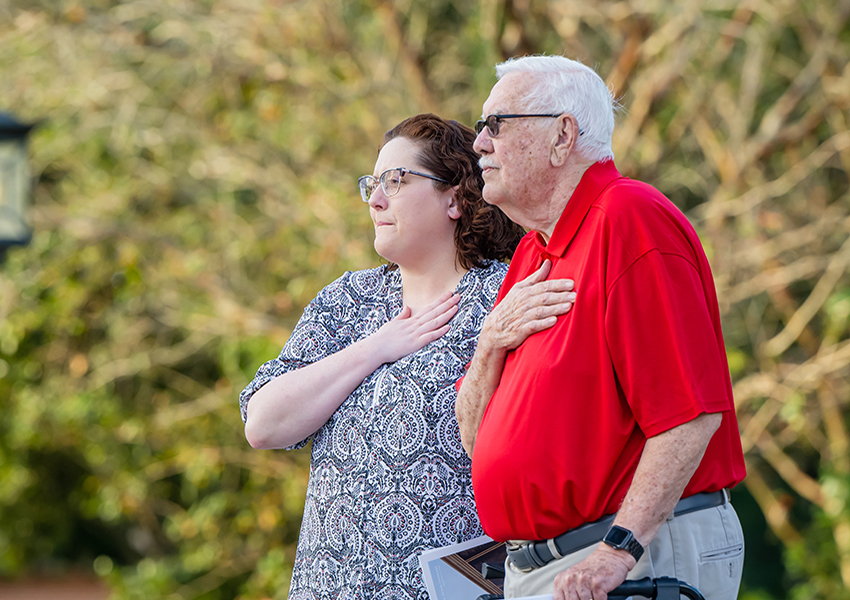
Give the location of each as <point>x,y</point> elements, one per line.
<point>567,86</point>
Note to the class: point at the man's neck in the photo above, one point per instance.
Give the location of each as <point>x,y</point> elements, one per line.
<point>564,185</point>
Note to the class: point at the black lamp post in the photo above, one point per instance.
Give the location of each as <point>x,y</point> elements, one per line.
<point>14,183</point>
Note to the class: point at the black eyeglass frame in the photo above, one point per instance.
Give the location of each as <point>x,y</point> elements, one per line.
<point>366,193</point>
<point>493,128</point>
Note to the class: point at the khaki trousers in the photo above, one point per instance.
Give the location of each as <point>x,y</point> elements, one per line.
<point>703,548</point>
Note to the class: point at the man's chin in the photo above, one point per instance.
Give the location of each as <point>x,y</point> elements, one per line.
<point>491,196</point>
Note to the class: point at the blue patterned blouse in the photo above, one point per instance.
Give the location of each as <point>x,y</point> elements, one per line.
<point>388,475</point>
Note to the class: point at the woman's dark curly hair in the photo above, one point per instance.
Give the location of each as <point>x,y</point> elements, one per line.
<point>482,231</point>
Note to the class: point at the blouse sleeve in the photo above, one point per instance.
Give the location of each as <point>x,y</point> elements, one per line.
<point>323,329</point>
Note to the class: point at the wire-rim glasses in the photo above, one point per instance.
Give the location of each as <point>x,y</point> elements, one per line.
<point>390,182</point>
<point>491,122</point>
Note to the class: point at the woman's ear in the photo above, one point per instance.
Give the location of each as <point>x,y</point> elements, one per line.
<point>453,209</point>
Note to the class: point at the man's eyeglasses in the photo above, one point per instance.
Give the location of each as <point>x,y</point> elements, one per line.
<point>491,122</point>
<point>390,182</point>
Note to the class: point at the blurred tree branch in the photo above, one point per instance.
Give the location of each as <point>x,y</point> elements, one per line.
<point>196,186</point>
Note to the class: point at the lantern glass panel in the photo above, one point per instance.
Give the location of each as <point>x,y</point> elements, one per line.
<point>14,187</point>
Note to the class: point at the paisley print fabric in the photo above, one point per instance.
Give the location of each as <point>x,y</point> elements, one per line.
<point>388,475</point>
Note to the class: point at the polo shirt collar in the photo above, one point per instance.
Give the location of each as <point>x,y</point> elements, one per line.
<point>592,184</point>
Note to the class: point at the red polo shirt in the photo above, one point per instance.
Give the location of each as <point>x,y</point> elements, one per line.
<point>640,353</point>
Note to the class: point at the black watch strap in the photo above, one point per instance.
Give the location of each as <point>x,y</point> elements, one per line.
<point>621,538</point>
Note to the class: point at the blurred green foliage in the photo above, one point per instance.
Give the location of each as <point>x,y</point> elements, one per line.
<point>195,177</point>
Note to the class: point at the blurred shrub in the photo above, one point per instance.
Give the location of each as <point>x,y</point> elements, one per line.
<point>196,172</point>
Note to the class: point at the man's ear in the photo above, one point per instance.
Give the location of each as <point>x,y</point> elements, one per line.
<point>565,141</point>
<point>454,209</point>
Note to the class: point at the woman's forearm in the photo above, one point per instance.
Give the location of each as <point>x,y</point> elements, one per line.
<point>296,404</point>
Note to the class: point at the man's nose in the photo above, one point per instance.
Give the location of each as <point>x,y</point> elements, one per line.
<point>483,143</point>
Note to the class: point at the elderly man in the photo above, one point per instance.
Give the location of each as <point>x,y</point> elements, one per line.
<point>603,440</point>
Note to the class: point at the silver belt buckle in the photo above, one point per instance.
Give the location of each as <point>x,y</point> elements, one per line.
<point>524,550</point>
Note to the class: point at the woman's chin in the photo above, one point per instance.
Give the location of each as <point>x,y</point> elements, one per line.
<point>384,252</point>
<point>386,245</point>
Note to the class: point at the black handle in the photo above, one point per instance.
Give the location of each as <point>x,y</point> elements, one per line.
<point>663,588</point>
<point>637,587</point>
<point>493,570</point>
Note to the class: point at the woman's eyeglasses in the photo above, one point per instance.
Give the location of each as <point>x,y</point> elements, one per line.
<point>390,182</point>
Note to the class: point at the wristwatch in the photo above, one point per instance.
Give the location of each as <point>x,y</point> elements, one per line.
<point>621,538</point>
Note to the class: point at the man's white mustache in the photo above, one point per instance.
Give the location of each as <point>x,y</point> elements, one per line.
<point>485,162</point>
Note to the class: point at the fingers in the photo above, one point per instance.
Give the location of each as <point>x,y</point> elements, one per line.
<point>440,305</point>
<point>434,310</point>
<point>538,303</point>
<point>551,286</point>
<point>439,320</point>
<point>437,314</point>
<point>528,309</point>
<point>536,283</point>
<point>435,334</point>
<point>578,586</point>
<point>592,578</point>
<point>426,326</point>
<point>554,301</point>
<point>449,304</point>
<point>539,275</point>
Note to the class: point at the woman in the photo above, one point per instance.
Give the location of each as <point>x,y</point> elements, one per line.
<point>369,373</point>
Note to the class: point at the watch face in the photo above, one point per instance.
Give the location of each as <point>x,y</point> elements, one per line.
<point>617,535</point>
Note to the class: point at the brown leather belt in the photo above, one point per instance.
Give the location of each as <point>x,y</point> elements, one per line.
<point>533,555</point>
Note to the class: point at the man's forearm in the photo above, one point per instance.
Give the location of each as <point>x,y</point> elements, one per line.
<point>668,462</point>
<point>479,385</point>
<point>532,305</point>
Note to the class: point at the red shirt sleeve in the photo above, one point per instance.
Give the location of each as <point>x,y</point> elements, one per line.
<point>664,344</point>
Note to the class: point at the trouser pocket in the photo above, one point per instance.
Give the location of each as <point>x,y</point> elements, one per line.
<point>732,551</point>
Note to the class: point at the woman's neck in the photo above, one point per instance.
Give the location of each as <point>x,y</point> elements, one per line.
<point>423,284</point>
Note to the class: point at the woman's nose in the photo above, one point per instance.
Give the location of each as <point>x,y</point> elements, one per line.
<point>378,200</point>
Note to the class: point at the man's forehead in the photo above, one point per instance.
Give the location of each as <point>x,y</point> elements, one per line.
<point>508,95</point>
